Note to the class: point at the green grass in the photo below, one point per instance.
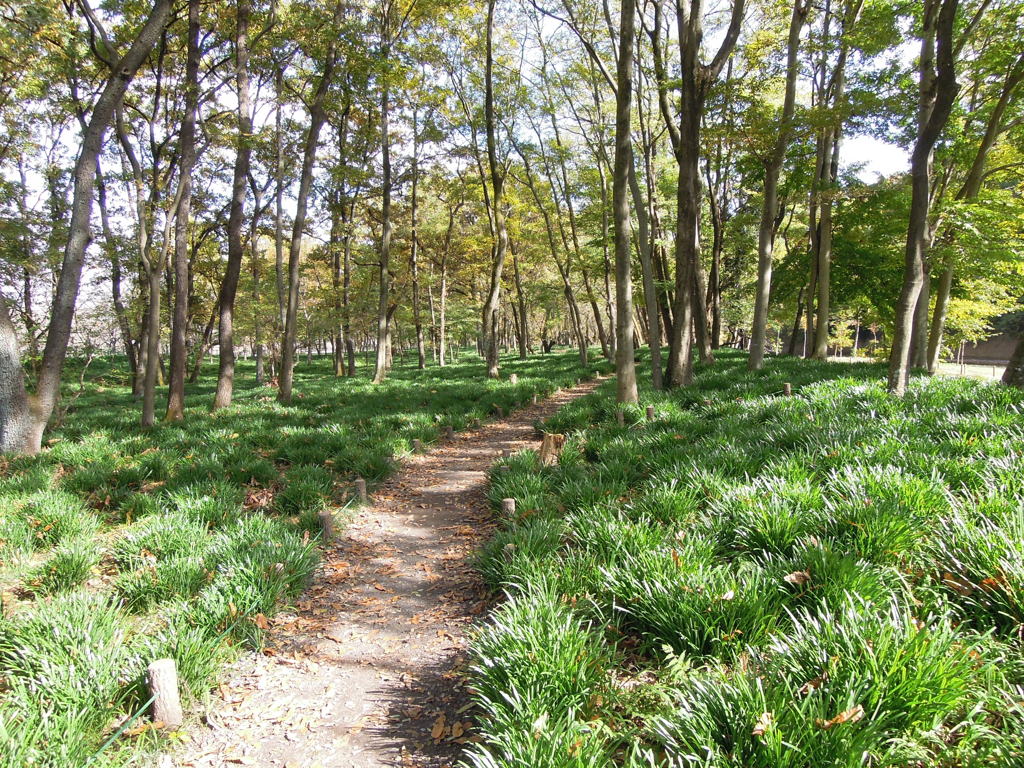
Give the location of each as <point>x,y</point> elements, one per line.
<point>123,545</point>
<point>759,581</point>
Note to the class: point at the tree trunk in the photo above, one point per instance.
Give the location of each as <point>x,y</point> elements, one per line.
<point>187,159</point>
<point>236,214</point>
<point>23,419</point>
<point>115,274</point>
<point>938,89</point>
<point>625,367</point>
<point>317,117</point>
<point>969,191</point>
<point>414,250</point>
<point>770,206</point>
<point>497,179</point>
<point>381,365</point>
<point>523,334</point>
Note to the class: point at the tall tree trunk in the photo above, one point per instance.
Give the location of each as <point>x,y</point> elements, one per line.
<point>317,117</point>
<point>382,362</point>
<point>937,91</point>
<point>23,418</point>
<point>497,179</point>
<point>236,214</point>
<point>414,249</point>
<point>523,335</point>
<point>279,186</point>
<point>187,152</point>
<point>115,274</point>
<point>770,205</point>
<point>969,191</point>
<point>625,367</point>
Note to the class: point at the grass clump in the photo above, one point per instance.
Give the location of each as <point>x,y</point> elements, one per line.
<point>829,579</point>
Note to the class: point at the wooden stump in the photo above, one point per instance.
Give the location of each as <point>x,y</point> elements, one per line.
<point>508,507</point>
<point>476,423</point>
<point>533,400</point>
<point>650,413</point>
<point>787,389</point>
<point>551,448</point>
<point>449,432</point>
<point>513,379</point>
<point>499,411</point>
<point>620,418</point>
<point>417,445</point>
<point>327,524</point>
<point>361,489</point>
<point>162,679</point>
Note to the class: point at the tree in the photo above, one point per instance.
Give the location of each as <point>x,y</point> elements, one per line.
<point>23,417</point>
<point>937,89</point>
<point>625,368</point>
<point>770,206</point>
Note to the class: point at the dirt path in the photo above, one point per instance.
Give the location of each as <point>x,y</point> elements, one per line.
<point>368,670</point>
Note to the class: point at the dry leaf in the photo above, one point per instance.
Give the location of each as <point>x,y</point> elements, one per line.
<point>764,722</point>
<point>797,577</point>
<point>437,731</point>
<point>851,715</point>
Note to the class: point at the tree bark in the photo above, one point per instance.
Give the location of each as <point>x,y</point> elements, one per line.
<point>381,364</point>
<point>187,154</point>
<point>236,214</point>
<point>625,367</point>
<point>770,205</point>
<point>414,249</point>
<point>317,117</point>
<point>23,419</point>
<point>497,179</point>
<point>938,89</point>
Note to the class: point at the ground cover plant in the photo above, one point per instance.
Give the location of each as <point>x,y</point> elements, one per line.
<point>120,545</point>
<point>828,579</point>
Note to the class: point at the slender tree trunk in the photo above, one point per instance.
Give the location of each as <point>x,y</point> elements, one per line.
<point>382,362</point>
<point>938,89</point>
<point>187,151</point>
<point>236,213</point>
<point>770,205</point>
<point>969,191</point>
<point>317,117</point>
<point>414,250</point>
<point>115,274</point>
<point>279,198</point>
<point>497,179</point>
<point>523,335</point>
<point>625,367</point>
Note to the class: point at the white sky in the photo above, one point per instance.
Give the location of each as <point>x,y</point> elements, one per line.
<point>873,158</point>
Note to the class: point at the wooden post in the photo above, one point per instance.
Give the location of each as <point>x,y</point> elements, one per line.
<point>533,400</point>
<point>449,432</point>
<point>513,379</point>
<point>162,679</point>
<point>326,523</point>
<point>476,423</point>
<point>361,489</point>
<point>787,389</point>
<point>551,448</point>
<point>417,445</point>
<point>620,418</point>
<point>650,413</point>
<point>499,411</point>
<point>508,507</point>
